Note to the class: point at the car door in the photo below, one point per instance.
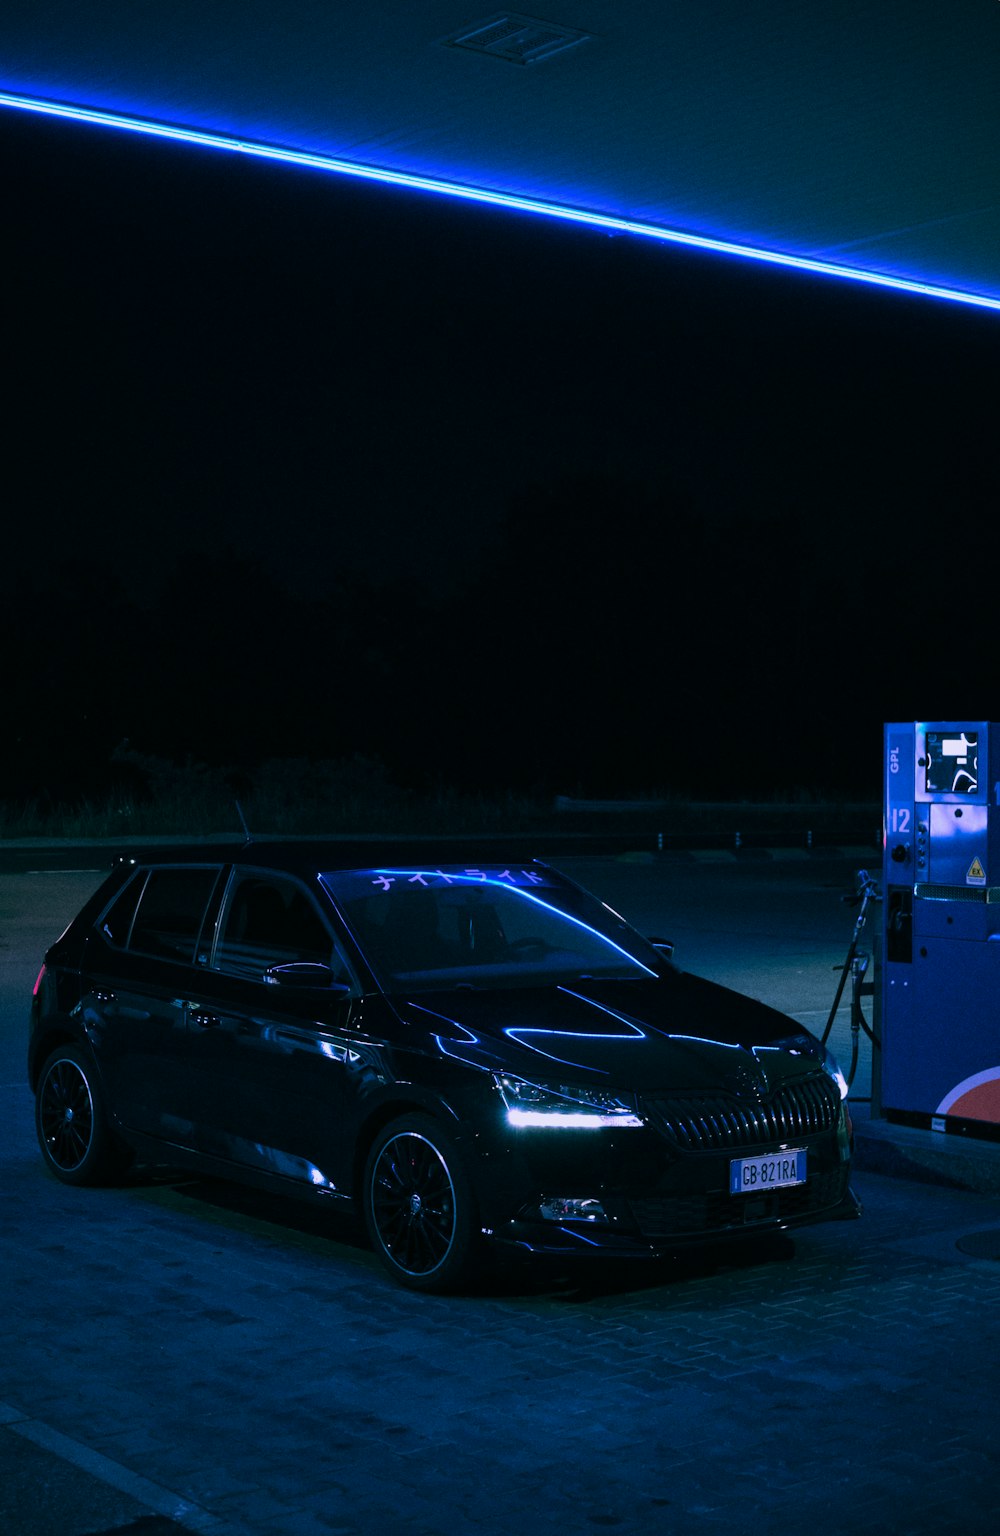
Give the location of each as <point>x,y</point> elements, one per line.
<point>279,1052</point>
<point>137,964</point>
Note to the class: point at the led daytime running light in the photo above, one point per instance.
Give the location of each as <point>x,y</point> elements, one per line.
<point>568,1119</point>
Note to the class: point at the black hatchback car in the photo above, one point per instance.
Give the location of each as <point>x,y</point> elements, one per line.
<point>472,1054</point>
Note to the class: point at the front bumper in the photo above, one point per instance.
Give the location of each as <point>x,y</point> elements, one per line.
<point>666,1186</point>
<point>658,1227</point>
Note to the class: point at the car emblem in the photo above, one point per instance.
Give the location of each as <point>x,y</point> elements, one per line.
<point>747,1081</point>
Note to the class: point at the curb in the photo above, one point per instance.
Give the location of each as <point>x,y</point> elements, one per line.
<point>927,1157</point>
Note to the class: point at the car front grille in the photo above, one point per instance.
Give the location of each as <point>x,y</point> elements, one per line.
<point>710,1123</point>
<point>678,1216</point>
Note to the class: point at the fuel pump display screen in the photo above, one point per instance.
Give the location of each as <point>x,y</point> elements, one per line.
<point>952,763</point>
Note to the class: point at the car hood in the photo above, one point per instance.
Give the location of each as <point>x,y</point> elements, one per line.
<point>677,1032</point>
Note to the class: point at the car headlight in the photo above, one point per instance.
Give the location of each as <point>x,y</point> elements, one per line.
<point>563,1108</point>
<point>808,1045</point>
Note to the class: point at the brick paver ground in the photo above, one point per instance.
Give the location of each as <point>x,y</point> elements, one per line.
<point>194,1352</point>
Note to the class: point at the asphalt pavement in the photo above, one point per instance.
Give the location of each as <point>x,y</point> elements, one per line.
<point>182,1355</point>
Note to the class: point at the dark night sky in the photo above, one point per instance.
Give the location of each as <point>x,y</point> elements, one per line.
<point>293,464</point>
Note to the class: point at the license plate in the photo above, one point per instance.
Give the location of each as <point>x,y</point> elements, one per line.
<point>777,1170</point>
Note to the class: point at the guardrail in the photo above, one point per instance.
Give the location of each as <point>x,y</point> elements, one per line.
<point>668,826</point>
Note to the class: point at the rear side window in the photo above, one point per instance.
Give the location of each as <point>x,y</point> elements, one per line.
<point>171,911</point>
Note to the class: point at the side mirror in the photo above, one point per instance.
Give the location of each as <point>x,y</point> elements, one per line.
<point>664,947</point>
<point>306,973</point>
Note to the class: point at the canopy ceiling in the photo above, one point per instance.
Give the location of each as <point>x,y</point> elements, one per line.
<point>861,134</point>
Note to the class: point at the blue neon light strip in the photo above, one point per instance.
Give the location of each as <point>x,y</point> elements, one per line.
<point>485,195</point>
<point>501,885</point>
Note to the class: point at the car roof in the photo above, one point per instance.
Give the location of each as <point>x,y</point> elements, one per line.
<point>309,856</point>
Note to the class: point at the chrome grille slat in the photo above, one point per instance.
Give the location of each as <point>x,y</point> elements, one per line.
<point>697,1123</point>
<point>813,1110</point>
<point>744,1124</point>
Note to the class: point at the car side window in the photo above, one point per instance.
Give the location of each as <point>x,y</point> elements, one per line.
<point>117,920</point>
<point>271,920</point>
<point>171,911</point>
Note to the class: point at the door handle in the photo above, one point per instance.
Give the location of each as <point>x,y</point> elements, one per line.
<point>206,1020</point>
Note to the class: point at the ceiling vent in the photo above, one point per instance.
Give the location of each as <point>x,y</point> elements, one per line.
<point>518,39</point>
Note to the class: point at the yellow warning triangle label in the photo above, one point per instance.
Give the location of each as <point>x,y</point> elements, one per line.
<point>977,874</point>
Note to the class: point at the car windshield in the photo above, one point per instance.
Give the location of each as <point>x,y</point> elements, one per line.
<point>492,926</point>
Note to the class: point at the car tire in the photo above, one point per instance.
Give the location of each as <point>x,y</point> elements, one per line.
<point>71,1121</point>
<point>419,1206</point>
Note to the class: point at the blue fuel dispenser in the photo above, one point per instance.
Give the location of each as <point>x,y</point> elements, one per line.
<point>940,1011</point>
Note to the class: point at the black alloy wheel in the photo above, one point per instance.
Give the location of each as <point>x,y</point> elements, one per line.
<point>419,1206</point>
<point>71,1123</point>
